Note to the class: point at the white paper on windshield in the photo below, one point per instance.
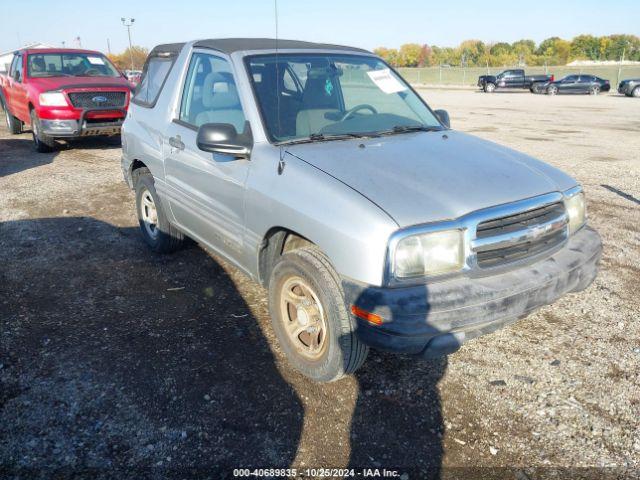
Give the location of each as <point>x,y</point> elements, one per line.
<point>95,60</point>
<point>386,81</point>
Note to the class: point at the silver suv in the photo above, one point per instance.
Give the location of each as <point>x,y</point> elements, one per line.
<point>318,171</point>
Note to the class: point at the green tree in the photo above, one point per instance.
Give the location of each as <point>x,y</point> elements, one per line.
<point>409,55</point>
<point>472,52</point>
<point>585,47</point>
<point>389,55</point>
<point>123,60</point>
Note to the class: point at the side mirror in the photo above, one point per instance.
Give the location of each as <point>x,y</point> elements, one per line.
<point>443,116</point>
<point>223,138</point>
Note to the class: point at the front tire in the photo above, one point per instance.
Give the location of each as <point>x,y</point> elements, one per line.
<point>42,143</point>
<point>552,90</point>
<point>157,231</point>
<point>489,87</point>
<point>595,90</point>
<point>13,124</point>
<point>310,318</point>
<point>636,92</point>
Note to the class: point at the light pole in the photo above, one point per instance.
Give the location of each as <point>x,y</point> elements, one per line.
<point>128,22</point>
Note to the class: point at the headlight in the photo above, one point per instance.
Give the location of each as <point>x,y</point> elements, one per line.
<point>576,210</point>
<point>53,99</point>
<point>429,254</point>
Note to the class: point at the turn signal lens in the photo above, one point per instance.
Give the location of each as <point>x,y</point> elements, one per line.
<point>369,317</point>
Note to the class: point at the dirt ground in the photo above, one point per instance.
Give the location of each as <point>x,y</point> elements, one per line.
<point>117,362</point>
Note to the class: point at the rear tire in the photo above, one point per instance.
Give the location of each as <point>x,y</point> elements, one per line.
<point>157,231</point>
<point>42,143</point>
<point>13,124</point>
<point>595,90</point>
<point>310,318</point>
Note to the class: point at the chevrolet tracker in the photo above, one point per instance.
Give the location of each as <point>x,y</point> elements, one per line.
<point>319,172</point>
<point>63,93</point>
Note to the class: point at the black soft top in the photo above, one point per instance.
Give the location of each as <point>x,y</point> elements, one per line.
<point>231,45</point>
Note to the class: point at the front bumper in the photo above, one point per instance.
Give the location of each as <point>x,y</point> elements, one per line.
<point>436,319</point>
<point>84,126</point>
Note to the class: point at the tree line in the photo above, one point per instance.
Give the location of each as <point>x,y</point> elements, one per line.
<point>123,60</point>
<point>552,51</point>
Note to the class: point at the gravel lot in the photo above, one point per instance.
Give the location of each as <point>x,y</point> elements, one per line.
<point>115,360</point>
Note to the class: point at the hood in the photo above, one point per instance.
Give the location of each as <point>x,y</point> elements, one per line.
<point>59,83</point>
<point>424,177</point>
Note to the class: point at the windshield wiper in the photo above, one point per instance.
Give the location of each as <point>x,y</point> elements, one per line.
<point>325,137</point>
<point>411,128</point>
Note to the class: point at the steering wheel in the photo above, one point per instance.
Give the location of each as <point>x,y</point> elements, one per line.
<point>357,108</point>
<point>92,71</point>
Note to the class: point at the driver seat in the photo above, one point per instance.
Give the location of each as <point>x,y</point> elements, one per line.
<point>317,104</point>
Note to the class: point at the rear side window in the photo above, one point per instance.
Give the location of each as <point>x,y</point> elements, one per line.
<point>210,94</point>
<point>155,74</point>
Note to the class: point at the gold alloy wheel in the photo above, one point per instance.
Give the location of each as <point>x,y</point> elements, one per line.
<point>303,318</point>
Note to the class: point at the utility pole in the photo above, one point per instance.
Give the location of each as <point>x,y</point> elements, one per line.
<point>620,65</point>
<point>128,22</point>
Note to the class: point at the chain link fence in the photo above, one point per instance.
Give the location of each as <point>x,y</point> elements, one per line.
<point>469,76</point>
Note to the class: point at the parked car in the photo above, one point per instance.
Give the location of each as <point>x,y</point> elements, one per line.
<point>575,84</point>
<point>368,220</point>
<point>511,79</point>
<point>630,87</point>
<point>63,93</point>
<point>133,76</point>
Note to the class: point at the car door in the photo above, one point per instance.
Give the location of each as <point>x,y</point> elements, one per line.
<point>569,84</point>
<point>206,190</point>
<point>517,79</point>
<point>17,91</point>
<point>585,83</point>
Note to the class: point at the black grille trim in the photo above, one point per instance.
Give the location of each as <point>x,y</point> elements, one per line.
<point>86,99</point>
<point>519,221</point>
<point>489,258</point>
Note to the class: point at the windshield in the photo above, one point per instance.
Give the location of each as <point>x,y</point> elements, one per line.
<point>324,96</point>
<point>70,65</point>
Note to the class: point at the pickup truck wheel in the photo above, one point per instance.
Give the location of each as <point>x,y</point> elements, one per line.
<point>157,231</point>
<point>636,92</point>
<point>489,87</point>
<point>13,124</point>
<point>310,318</point>
<point>42,143</point>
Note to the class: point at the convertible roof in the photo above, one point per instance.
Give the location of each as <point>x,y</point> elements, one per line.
<point>231,45</point>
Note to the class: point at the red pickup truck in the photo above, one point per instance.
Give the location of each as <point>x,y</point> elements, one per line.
<point>63,93</point>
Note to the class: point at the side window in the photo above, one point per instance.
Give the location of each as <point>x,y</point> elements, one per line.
<point>16,68</point>
<point>210,94</point>
<point>153,78</point>
<point>12,68</point>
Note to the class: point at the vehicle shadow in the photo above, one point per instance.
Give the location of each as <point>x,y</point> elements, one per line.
<point>397,422</point>
<point>118,362</point>
<point>17,155</point>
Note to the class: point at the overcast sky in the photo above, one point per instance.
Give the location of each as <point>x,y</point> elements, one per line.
<point>361,23</point>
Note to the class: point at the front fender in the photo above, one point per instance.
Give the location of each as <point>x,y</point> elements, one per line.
<point>350,229</point>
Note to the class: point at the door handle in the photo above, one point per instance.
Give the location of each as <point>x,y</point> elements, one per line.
<point>176,142</point>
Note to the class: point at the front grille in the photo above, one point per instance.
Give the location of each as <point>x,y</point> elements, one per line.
<point>518,225</point>
<point>97,99</point>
